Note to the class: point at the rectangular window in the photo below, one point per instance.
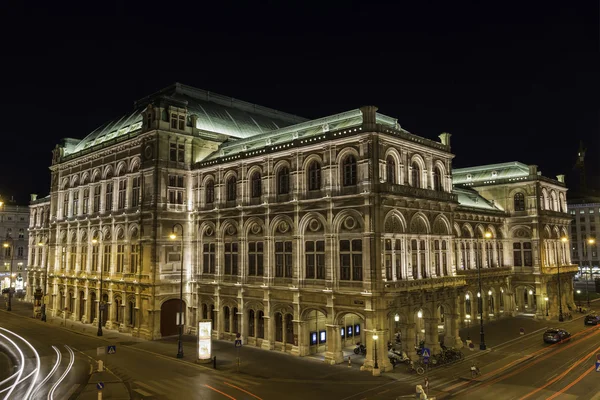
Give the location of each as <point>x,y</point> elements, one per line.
<point>97,198</point>
<point>181,126</point>
<point>120,257</point>
<point>63,257</point>
<point>208,258</point>
<point>518,260</point>
<point>135,191</point>
<point>283,259</point>
<point>231,258</point>
<point>94,258</point>
<point>176,187</point>
<point>108,205</point>
<point>21,233</point>
<point>315,259</point>
<point>20,252</point>
<point>106,258</point>
<point>180,153</point>
<point>72,257</point>
<point>398,257</point>
<point>388,255</point>
<point>65,204</point>
<point>84,255</point>
<point>174,121</point>
<point>134,258</point>
<point>351,260</point>
<point>86,200</point>
<point>527,254</point>
<point>75,202</point>
<point>122,193</point>
<point>255,258</point>
<point>173,152</point>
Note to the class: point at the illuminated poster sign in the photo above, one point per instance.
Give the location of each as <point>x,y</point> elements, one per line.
<point>205,339</point>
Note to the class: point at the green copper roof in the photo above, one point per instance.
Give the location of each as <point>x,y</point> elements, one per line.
<point>215,113</point>
<point>485,173</point>
<point>471,198</point>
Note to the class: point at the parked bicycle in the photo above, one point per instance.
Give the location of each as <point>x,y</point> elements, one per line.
<point>412,367</point>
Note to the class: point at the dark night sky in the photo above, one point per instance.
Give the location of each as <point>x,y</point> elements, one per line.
<point>509,81</point>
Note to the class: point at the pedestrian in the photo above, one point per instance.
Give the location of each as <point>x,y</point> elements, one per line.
<point>426,385</point>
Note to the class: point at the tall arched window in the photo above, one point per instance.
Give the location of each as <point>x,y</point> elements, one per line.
<point>251,323</point>
<point>256,185</point>
<point>349,168</point>
<point>261,325</point>
<point>415,175</point>
<point>519,202</point>
<point>314,176</point>
<point>278,327</point>
<point>390,170</point>
<point>283,181</point>
<point>226,316</point>
<point>437,179</point>
<point>231,189</point>
<point>289,328</point>
<point>210,192</point>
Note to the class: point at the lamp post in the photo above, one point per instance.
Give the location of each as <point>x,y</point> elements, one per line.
<point>560,312</point>
<point>100,305</point>
<point>173,236</point>
<point>396,320</point>
<point>468,316</point>
<point>591,242</point>
<point>41,244</point>
<point>546,300</point>
<point>579,299</point>
<point>12,256</point>
<point>375,337</point>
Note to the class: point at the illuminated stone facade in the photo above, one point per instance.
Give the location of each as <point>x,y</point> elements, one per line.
<point>304,236</point>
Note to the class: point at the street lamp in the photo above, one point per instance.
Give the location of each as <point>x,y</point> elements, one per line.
<point>591,242</point>
<point>375,337</point>
<point>546,300</point>
<point>100,305</point>
<point>173,236</point>
<point>560,312</point>
<point>468,316</point>
<point>41,244</point>
<point>12,256</point>
<point>396,320</point>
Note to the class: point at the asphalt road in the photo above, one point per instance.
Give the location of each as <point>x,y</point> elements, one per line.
<point>514,366</point>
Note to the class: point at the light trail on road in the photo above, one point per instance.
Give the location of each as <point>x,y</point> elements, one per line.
<point>50,374</point>
<point>36,371</point>
<point>21,369</point>
<point>62,377</point>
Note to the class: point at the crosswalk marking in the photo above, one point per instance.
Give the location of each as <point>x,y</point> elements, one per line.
<point>167,386</point>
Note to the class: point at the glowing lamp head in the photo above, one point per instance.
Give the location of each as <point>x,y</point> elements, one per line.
<point>396,318</point>
<point>6,245</point>
<point>488,235</point>
<point>94,241</point>
<point>489,292</point>
<point>546,298</point>
<point>564,239</point>
<point>173,236</point>
<point>420,314</point>
<point>478,294</point>
<point>40,244</point>
<point>467,297</point>
<point>531,292</point>
<point>375,337</point>
<point>591,240</point>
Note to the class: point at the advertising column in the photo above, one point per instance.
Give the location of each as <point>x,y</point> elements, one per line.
<point>204,340</point>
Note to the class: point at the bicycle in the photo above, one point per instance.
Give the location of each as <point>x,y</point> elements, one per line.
<point>418,369</point>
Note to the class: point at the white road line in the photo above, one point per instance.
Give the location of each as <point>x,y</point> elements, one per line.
<point>20,372</point>
<point>62,377</point>
<point>71,391</point>
<point>142,392</point>
<point>150,388</point>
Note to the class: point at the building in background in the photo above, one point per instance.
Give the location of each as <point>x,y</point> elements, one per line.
<point>304,236</point>
<point>14,221</point>
<point>585,219</point>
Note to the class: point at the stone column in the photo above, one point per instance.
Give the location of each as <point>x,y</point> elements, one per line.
<point>452,337</point>
<point>268,341</point>
<point>334,354</point>
<point>408,339</point>
<point>431,335</point>
<point>85,318</point>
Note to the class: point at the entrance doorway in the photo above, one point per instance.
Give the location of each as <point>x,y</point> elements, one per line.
<point>168,317</point>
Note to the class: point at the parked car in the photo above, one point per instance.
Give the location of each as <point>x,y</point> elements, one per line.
<point>591,319</point>
<point>555,335</point>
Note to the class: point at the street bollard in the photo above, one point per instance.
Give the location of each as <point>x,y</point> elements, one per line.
<point>349,362</point>
<point>100,366</point>
<point>215,362</point>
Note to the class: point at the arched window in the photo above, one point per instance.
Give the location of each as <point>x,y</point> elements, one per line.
<point>519,202</point>
<point>235,320</point>
<point>226,315</point>
<point>314,176</point>
<point>289,329</point>
<point>210,192</point>
<point>231,189</point>
<point>437,179</point>
<point>283,181</point>
<point>261,325</point>
<point>278,327</point>
<point>204,311</point>
<point>349,168</point>
<point>256,185</point>
<point>251,323</point>
<point>415,175</point>
<point>131,313</point>
<point>390,170</point>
